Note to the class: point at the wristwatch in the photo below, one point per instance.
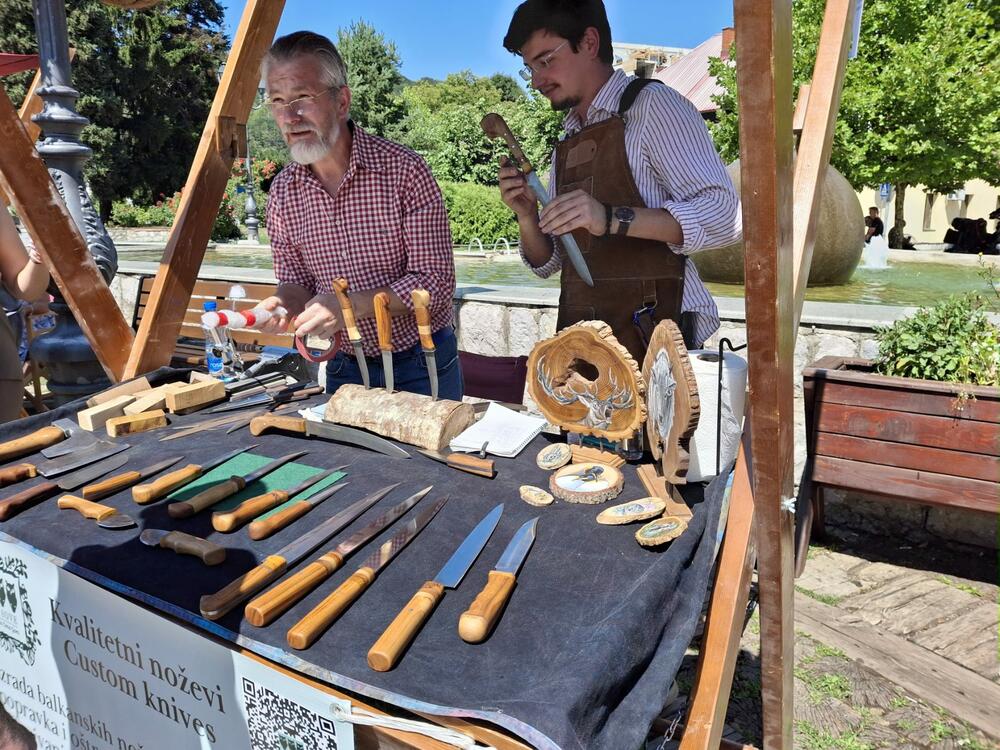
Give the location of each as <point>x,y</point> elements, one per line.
<point>624,214</point>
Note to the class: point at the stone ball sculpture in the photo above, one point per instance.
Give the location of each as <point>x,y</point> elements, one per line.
<point>840,238</point>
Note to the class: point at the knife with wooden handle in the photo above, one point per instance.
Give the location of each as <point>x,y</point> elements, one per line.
<point>32,443</point>
<point>422,311</point>
<point>383,327</point>
<point>163,486</point>
<point>18,473</point>
<point>184,544</point>
<point>351,326</point>
<point>110,486</point>
<point>481,467</point>
<point>249,509</point>
<point>87,509</point>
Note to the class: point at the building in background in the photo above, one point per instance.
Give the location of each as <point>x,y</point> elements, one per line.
<point>644,59</point>
<point>689,74</point>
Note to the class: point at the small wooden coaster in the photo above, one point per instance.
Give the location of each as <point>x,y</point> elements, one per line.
<point>657,486</point>
<point>589,483</point>
<point>586,453</point>
<point>660,531</point>
<point>535,495</point>
<point>554,456</point>
<point>636,510</point>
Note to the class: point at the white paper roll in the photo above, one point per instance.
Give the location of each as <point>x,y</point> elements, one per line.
<point>705,364</point>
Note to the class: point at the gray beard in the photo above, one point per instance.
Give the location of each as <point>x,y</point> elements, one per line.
<point>310,153</point>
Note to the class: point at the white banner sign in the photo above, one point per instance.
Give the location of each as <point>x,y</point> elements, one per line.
<point>83,668</point>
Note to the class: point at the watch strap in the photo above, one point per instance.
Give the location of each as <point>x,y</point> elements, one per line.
<point>607,222</point>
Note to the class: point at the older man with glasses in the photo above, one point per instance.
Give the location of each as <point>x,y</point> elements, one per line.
<point>357,207</point>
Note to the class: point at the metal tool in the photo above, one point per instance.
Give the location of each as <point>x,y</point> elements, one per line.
<point>275,602</point>
<point>85,456</point>
<point>278,518</point>
<point>296,392</point>
<point>33,442</point>
<point>230,520</point>
<point>351,326</point>
<point>77,438</point>
<point>384,655</point>
<point>106,516</point>
<point>247,419</point>
<point>478,620</point>
<point>214,606</point>
<point>227,488</point>
<point>146,493</point>
<point>107,487</point>
<point>422,310</point>
<point>184,544</point>
<point>464,462</point>
<point>327,431</point>
<point>495,127</point>
<point>34,495</point>
<point>305,632</point>
<point>383,325</point>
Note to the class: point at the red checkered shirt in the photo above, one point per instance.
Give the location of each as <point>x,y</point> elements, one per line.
<point>386,227</point>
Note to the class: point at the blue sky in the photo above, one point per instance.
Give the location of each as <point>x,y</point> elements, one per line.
<point>437,38</point>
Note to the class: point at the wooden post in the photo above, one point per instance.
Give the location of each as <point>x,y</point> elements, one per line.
<point>61,244</point>
<point>192,229</point>
<point>764,76</point>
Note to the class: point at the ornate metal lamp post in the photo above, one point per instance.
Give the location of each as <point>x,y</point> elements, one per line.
<point>72,365</point>
<point>251,205</point>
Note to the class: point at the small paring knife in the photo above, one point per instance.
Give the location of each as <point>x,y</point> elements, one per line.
<point>106,516</point>
<point>481,467</point>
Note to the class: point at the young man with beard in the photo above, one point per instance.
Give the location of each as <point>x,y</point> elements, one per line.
<point>357,207</point>
<point>637,180</point>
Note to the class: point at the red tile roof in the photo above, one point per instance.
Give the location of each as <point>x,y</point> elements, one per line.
<point>689,75</point>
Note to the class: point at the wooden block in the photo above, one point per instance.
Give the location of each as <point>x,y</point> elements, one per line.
<point>130,424</point>
<point>95,417</point>
<point>585,454</point>
<point>153,399</point>
<point>199,377</point>
<point>125,389</point>
<point>196,396</point>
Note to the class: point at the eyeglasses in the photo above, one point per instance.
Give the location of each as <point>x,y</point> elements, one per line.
<point>304,105</point>
<point>529,70</point>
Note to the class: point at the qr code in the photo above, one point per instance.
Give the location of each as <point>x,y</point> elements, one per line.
<point>277,723</point>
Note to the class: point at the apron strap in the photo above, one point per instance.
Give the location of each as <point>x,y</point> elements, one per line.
<point>632,91</point>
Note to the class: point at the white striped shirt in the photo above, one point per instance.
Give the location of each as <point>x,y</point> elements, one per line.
<point>676,167</point>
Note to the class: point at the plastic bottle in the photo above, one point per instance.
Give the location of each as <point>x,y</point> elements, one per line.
<point>215,341</point>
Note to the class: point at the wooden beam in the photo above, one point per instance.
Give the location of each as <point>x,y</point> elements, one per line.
<point>202,194</point>
<point>801,101</point>
<point>817,138</point>
<point>61,244</point>
<point>764,76</point>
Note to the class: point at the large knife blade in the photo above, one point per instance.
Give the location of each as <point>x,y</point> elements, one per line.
<point>327,431</point>
<point>478,620</point>
<point>305,632</point>
<point>214,606</point>
<point>422,311</point>
<point>33,495</point>
<point>81,457</point>
<point>274,602</point>
<point>383,326</point>
<point>384,655</point>
<point>351,326</point>
<point>113,484</point>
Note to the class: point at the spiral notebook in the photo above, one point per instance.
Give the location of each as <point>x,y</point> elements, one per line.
<point>505,432</point>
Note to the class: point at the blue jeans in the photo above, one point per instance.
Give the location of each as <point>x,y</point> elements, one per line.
<point>409,369</point>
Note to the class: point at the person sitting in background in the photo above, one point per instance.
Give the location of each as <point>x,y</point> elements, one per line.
<point>25,276</point>
<point>874,224</point>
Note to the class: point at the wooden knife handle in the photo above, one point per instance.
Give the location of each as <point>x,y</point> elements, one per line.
<point>264,527</point>
<point>347,309</point>
<point>383,321</point>
<point>18,473</point>
<point>186,544</point>
<point>207,498</point>
<point>478,620</point>
<point>496,127</point>
<point>230,520</point>
<point>110,486</point>
<point>393,642</point>
<point>147,493</point>
<point>422,311</point>
<point>86,508</point>
<point>305,632</point>
<point>259,425</point>
<point>37,440</point>
<point>472,464</point>
<point>214,606</point>
<point>25,499</point>
<point>276,601</point>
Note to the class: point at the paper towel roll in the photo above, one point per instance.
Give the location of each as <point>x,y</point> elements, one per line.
<point>705,364</point>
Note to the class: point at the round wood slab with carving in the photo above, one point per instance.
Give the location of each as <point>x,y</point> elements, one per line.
<point>590,483</point>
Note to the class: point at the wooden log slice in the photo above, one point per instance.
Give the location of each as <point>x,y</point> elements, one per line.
<point>584,381</point>
<point>589,484</point>
<point>635,510</point>
<point>672,405</point>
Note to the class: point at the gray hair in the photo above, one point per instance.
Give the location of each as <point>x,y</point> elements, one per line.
<point>307,44</point>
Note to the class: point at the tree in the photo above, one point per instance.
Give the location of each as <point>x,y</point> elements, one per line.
<point>921,102</point>
<point>146,78</point>
<point>373,75</point>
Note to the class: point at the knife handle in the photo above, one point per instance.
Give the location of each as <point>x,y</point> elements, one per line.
<point>482,467</point>
<point>478,620</point>
<point>305,632</point>
<point>37,440</point>
<point>230,520</point>
<point>422,311</point>
<point>214,606</point>
<point>87,509</point>
<point>146,493</point>
<point>276,601</point>
<point>347,309</point>
<point>18,473</point>
<point>393,642</point>
<point>25,499</point>
<point>264,527</point>
<point>260,425</point>
<point>496,127</point>
<point>207,498</point>
<point>383,321</point>
<point>110,486</point>
<point>186,544</point>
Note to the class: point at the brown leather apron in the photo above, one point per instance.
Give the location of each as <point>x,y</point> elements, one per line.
<point>636,281</point>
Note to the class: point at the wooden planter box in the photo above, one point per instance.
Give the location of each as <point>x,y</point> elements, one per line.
<point>900,438</point>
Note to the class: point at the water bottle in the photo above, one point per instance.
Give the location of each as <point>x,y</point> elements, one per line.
<point>215,342</point>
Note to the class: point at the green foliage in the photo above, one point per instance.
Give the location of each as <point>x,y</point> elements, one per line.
<point>373,75</point>
<point>952,341</point>
<point>477,211</point>
<point>265,139</point>
<point>162,213</point>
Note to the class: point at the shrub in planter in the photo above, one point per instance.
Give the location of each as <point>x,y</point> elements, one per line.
<point>477,211</point>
